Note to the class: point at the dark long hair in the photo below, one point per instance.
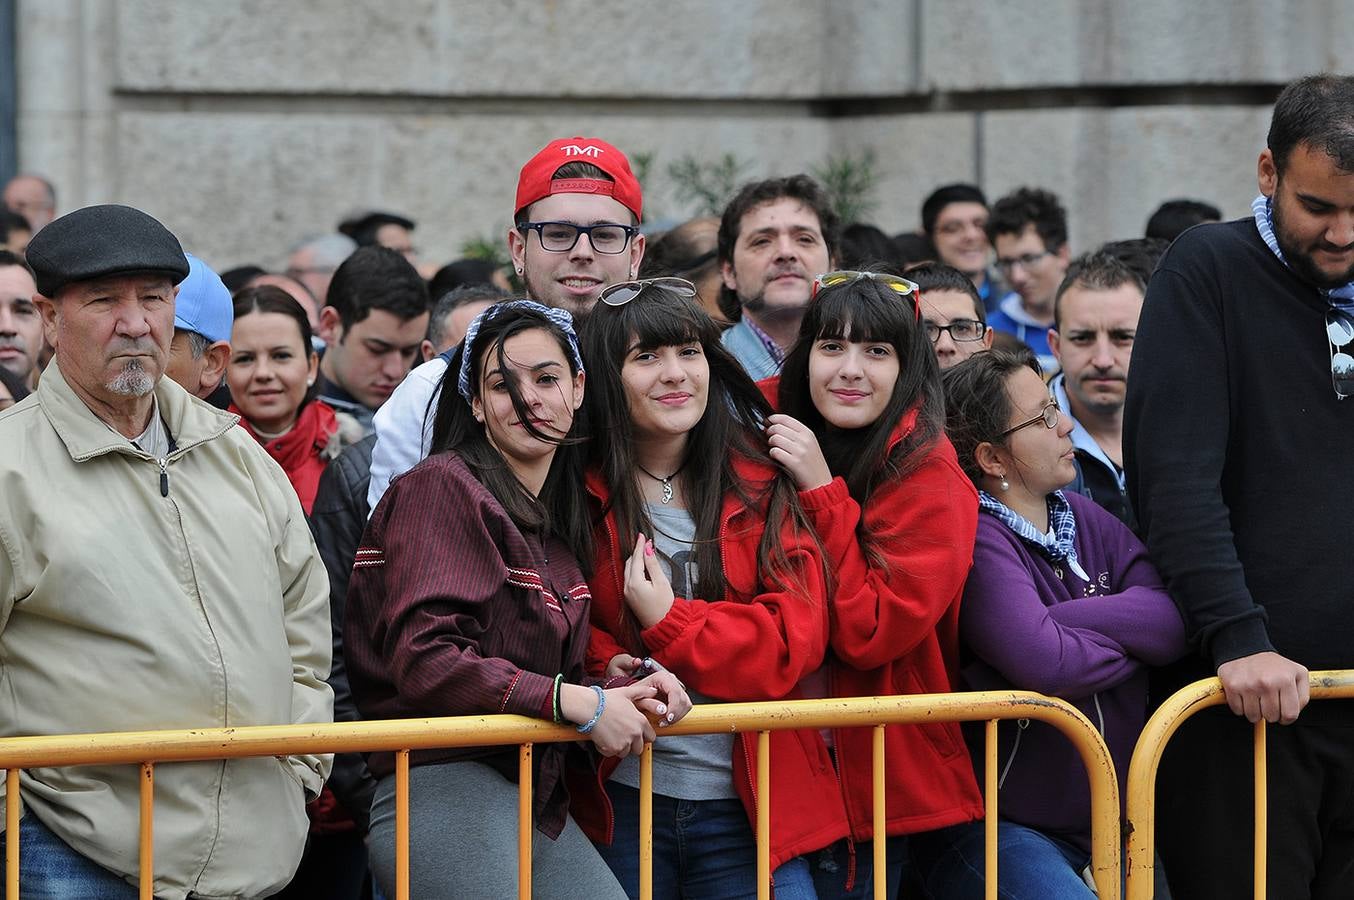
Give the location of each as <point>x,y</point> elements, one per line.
<point>730,428</point>
<point>865,310</point>
<point>560,509</point>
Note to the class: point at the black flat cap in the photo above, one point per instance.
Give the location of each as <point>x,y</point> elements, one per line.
<point>99,241</point>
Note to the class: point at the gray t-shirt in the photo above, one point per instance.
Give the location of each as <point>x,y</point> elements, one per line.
<point>697,766</point>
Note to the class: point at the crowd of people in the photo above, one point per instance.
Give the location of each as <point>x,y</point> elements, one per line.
<point>757,457</point>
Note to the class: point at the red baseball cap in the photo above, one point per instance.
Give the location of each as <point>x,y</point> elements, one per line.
<point>537,181</point>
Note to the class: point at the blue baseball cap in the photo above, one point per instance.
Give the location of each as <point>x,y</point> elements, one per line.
<point>203,304</point>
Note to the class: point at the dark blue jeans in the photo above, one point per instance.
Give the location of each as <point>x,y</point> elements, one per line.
<point>50,870</point>
<point>832,867</point>
<point>701,849</point>
<point>1030,864</point>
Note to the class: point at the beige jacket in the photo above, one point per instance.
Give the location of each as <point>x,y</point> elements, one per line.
<point>123,608</point>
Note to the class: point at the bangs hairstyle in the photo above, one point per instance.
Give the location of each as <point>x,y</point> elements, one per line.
<point>560,507</point>
<point>864,310</point>
<point>731,427</point>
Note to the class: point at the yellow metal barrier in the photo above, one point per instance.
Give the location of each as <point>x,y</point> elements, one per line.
<point>1142,773</point>
<point>148,749</point>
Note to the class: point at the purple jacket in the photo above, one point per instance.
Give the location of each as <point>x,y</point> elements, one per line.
<point>1022,629</point>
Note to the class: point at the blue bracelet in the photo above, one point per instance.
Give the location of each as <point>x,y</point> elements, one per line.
<point>601,705</point>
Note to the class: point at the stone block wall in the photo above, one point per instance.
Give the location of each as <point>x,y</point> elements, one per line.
<point>246,124</point>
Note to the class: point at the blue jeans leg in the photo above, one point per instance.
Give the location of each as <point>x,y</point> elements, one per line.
<point>701,848</point>
<point>50,870</point>
<point>832,867</point>
<point>1030,865</point>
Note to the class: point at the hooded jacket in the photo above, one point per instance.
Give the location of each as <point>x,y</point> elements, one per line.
<point>140,594</point>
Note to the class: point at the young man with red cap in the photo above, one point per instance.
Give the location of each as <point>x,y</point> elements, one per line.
<point>576,230</point>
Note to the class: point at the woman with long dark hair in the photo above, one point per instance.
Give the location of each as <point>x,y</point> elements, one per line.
<point>861,431</point>
<point>271,375</point>
<point>467,598</point>
<point>704,565</point>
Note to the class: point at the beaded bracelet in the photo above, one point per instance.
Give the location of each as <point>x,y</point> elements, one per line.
<point>559,714</point>
<point>601,705</point>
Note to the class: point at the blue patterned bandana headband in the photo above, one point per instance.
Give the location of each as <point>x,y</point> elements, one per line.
<point>1341,297</point>
<point>559,317</point>
<point>1061,546</point>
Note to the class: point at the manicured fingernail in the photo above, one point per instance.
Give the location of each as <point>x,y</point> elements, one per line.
<point>672,717</point>
<point>648,549</point>
<point>662,709</point>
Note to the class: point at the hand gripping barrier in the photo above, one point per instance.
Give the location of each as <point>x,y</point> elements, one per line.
<point>1142,773</point>
<point>147,749</point>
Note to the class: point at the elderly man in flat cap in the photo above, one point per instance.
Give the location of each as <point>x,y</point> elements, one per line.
<point>156,571</point>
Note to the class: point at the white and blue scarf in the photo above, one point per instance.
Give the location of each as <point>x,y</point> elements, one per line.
<point>1058,546</point>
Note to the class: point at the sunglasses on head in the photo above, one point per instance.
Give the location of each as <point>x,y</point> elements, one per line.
<point>622,292</point>
<point>896,283</point>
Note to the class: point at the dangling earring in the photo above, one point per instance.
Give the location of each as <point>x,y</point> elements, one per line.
<point>310,382</point>
<point>1005,485</point>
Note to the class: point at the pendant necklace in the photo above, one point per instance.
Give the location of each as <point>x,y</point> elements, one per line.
<point>665,481</point>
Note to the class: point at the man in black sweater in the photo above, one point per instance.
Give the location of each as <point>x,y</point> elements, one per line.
<point>1238,439</point>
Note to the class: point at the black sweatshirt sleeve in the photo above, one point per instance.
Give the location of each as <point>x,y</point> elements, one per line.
<point>1177,430</point>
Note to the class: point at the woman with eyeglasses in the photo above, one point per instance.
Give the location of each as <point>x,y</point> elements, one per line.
<point>861,432</point>
<point>1061,600</point>
<point>705,566</point>
<point>467,598</point>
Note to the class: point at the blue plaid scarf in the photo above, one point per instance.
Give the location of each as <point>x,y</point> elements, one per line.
<point>1060,546</point>
<point>1342,298</point>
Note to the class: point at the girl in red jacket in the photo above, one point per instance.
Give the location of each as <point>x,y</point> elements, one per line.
<point>861,433</point>
<point>706,565</point>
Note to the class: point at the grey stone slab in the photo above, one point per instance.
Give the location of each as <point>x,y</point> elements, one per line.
<point>870,48</point>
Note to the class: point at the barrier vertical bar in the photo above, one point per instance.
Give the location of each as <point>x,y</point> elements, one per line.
<point>524,822</point>
<point>763,815</point>
<point>646,823</point>
<point>1261,811</point>
<point>990,810</point>
<point>880,857</point>
<point>147,871</point>
<point>11,833</point>
<point>401,825</point>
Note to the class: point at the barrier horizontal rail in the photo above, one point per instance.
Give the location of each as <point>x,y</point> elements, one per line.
<point>148,748</point>
<point>1142,773</point>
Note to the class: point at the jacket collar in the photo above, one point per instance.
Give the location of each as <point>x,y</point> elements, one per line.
<point>85,434</point>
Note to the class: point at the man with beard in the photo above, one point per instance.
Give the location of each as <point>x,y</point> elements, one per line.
<point>775,237</point>
<point>1237,436</point>
<point>156,572</point>
<point>1095,317</point>
<point>20,324</point>
<point>575,231</point>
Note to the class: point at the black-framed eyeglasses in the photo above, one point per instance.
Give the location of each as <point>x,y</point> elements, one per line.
<point>560,237</point>
<point>1339,334</point>
<point>959,329</point>
<point>1048,415</point>
<point>1024,260</point>
<point>622,292</point>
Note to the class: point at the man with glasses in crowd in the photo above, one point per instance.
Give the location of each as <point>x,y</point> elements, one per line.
<point>1238,432</point>
<point>575,231</point>
<point>952,312</point>
<point>1028,228</point>
<point>1095,319</point>
<point>954,219</point>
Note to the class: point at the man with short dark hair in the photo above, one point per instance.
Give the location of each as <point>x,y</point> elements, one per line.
<point>1237,439</point>
<point>372,325</point>
<point>952,312</point>
<point>954,219</point>
<point>15,232</point>
<point>1095,319</point>
<point>1174,216</point>
<point>21,338</point>
<point>775,237</point>
<point>453,313</point>
<point>203,316</point>
<point>1028,228</point>
<point>32,197</point>
<point>155,573</point>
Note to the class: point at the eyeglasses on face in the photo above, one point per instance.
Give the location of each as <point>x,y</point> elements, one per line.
<point>959,329</point>
<point>560,237</point>
<point>896,283</point>
<point>1339,334</point>
<point>1024,260</point>
<point>622,292</point>
<point>1048,415</point>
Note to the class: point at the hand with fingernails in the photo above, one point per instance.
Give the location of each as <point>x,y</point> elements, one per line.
<point>795,447</point>
<point>624,727</point>
<point>648,592</point>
